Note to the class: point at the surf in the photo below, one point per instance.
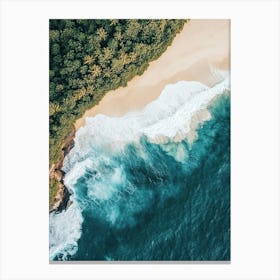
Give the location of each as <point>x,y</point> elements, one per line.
<point>100,181</point>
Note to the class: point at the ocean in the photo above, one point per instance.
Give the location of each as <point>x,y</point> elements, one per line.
<point>152,185</point>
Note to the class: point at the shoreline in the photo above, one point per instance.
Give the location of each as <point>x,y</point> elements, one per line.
<point>62,198</point>
<point>201,45</point>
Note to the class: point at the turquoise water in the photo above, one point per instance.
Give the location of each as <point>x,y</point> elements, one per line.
<point>151,200</point>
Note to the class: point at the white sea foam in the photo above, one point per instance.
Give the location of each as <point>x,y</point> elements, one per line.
<point>65,231</point>
<point>173,116</point>
<point>167,118</point>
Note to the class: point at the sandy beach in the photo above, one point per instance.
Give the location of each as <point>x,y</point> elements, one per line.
<point>201,45</point>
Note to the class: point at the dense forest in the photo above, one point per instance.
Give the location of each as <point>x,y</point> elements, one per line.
<point>90,57</point>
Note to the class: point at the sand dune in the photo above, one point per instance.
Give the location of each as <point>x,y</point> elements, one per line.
<point>201,45</point>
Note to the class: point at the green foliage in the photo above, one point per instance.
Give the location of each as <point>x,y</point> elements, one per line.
<point>90,57</point>
<point>54,185</point>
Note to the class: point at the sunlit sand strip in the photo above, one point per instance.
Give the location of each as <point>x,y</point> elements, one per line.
<point>202,45</point>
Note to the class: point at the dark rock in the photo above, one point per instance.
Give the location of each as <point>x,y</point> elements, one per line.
<point>62,199</point>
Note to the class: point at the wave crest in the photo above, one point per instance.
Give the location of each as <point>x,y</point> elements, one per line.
<point>173,117</point>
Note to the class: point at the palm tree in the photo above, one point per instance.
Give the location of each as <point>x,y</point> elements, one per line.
<point>140,49</point>
<point>124,58</point>
<point>116,66</point>
<point>132,28</point>
<point>108,72</point>
<point>132,56</point>
<point>80,93</point>
<point>114,22</point>
<point>118,36</point>
<point>54,35</point>
<point>101,33</point>
<point>107,53</point>
<point>88,59</point>
<point>163,23</point>
<point>90,89</point>
<point>95,70</point>
<point>69,102</point>
<point>53,108</point>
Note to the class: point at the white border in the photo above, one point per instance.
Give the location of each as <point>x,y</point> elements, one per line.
<point>255,138</point>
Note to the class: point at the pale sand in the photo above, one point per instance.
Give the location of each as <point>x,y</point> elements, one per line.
<point>201,44</point>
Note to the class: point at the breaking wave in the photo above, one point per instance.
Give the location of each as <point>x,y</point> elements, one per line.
<point>111,172</point>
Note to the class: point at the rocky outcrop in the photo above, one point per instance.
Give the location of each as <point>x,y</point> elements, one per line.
<point>62,199</point>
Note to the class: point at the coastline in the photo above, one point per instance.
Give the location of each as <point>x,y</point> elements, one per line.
<point>201,45</point>
<point>62,198</point>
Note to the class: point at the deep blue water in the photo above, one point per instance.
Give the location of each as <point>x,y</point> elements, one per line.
<point>172,200</point>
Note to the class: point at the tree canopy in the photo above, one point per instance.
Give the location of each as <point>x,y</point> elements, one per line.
<point>90,57</point>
